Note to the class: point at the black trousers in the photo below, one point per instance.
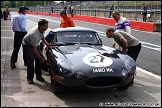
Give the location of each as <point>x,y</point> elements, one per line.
<point>31,69</point>
<point>144,16</point>
<point>18,36</point>
<point>133,51</point>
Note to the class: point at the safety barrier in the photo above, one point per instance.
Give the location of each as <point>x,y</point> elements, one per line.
<point>145,26</point>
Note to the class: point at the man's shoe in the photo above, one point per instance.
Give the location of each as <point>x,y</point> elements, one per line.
<point>40,78</point>
<point>30,81</point>
<point>131,83</point>
<point>13,66</point>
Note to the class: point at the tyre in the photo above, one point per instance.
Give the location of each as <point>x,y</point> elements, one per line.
<point>57,88</point>
<point>125,87</point>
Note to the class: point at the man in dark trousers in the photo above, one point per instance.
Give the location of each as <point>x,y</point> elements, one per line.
<point>144,12</point>
<point>4,15</point>
<point>111,10</point>
<point>19,27</point>
<point>130,45</point>
<point>31,46</point>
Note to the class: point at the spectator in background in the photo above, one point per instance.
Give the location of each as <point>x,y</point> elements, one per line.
<point>9,16</point>
<point>7,12</point>
<point>65,9</point>
<point>52,9</point>
<point>121,24</point>
<point>111,10</point>
<point>19,27</point>
<point>66,20</point>
<point>1,14</point>
<point>144,12</point>
<point>72,10</point>
<point>4,15</point>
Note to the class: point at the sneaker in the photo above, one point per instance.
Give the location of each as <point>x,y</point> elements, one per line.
<point>40,78</point>
<point>30,81</point>
<point>13,66</point>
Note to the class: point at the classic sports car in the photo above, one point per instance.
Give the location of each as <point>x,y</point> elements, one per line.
<point>78,58</point>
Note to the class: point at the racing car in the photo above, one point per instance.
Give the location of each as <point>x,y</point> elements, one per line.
<point>77,58</point>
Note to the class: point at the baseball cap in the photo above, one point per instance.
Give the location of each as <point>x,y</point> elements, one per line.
<point>62,12</point>
<point>41,22</point>
<point>23,8</point>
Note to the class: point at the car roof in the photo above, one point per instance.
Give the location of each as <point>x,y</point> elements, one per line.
<point>73,29</point>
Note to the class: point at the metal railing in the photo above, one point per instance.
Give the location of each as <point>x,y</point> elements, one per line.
<point>130,14</point>
<point>154,15</point>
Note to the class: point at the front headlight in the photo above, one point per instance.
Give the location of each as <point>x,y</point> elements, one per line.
<point>129,64</point>
<point>124,73</point>
<point>79,75</point>
<point>66,68</point>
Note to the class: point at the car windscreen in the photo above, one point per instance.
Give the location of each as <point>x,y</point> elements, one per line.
<point>78,37</point>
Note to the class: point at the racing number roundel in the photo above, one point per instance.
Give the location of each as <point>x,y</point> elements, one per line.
<point>97,60</point>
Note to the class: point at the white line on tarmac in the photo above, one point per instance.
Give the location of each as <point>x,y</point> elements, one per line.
<point>148,73</point>
<point>5,26</point>
<point>7,37</point>
<point>138,68</point>
<point>6,30</point>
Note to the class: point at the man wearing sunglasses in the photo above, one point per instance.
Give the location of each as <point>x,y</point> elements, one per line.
<point>66,20</point>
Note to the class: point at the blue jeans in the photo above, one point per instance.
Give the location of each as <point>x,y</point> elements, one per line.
<point>31,59</point>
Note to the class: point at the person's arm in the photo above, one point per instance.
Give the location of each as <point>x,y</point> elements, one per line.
<point>36,53</point>
<point>114,43</point>
<point>13,24</point>
<point>127,26</point>
<point>47,44</point>
<point>61,23</point>
<point>125,45</point>
<point>23,24</point>
<point>72,23</point>
<point>128,29</point>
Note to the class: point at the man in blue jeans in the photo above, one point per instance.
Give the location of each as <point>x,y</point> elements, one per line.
<point>31,46</point>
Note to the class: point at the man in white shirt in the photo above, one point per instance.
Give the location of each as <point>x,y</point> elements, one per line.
<point>121,24</point>
<point>31,47</point>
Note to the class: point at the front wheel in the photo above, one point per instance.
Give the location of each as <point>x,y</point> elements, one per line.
<point>57,88</point>
<point>125,87</point>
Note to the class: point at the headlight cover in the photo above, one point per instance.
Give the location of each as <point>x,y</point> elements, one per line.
<point>79,76</point>
<point>124,73</point>
<point>66,68</point>
<point>129,64</point>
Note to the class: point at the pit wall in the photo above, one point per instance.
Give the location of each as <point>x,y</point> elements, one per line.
<point>138,25</point>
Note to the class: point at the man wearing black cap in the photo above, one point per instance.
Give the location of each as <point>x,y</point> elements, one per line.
<point>19,27</point>
<point>31,46</point>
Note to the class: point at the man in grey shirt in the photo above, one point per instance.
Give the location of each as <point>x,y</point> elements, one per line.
<point>130,45</point>
<point>30,44</point>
